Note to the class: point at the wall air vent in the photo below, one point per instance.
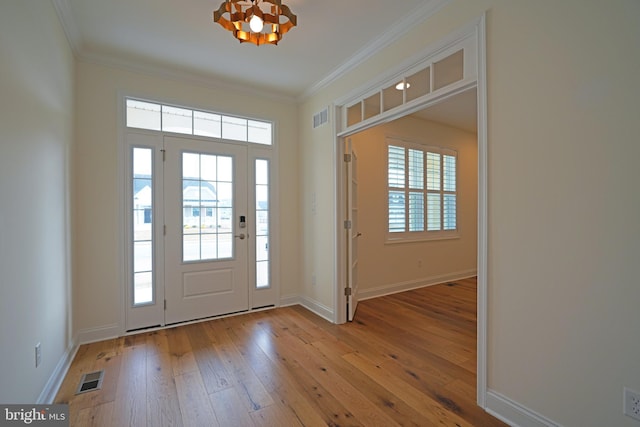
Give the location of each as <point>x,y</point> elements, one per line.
<point>321,118</point>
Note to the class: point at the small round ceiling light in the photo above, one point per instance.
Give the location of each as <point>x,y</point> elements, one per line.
<point>403,85</point>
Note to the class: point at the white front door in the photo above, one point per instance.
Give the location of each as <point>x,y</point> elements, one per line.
<point>206,233</point>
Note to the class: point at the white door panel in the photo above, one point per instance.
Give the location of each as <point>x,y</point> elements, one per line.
<point>206,241</point>
<point>352,233</point>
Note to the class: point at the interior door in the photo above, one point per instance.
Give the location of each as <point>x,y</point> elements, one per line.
<point>353,234</point>
<point>206,239</point>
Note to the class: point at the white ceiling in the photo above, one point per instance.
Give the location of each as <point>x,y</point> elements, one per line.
<point>179,37</point>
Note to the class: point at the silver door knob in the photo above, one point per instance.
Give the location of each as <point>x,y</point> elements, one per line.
<point>240,236</point>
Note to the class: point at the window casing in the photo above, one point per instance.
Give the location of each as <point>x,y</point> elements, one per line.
<point>422,192</point>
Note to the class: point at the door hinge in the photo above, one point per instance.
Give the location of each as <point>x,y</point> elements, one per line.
<point>347,158</point>
<point>164,230</point>
<point>347,224</point>
<point>165,304</point>
<point>164,154</point>
<point>347,291</point>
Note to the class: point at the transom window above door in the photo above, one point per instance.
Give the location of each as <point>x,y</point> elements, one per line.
<point>167,118</point>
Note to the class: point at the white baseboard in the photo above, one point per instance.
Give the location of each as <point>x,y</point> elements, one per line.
<point>288,300</point>
<point>308,303</point>
<point>48,394</point>
<point>395,288</point>
<point>513,413</point>
<point>86,336</point>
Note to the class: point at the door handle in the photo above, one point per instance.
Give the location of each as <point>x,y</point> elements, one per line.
<point>240,236</point>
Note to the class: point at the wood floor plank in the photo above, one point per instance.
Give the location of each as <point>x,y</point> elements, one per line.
<point>227,405</point>
<point>431,409</point>
<point>194,401</point>
<point>384,399</point>
<point>98,416</point>
<point>408,359</point>
<point>131,398</point>
<point>163,408</point>
<point>276,415</point>
<point>254,395</point>
<point>276,378</point>
<point>213,371</point>
<point>359,405</point>
<point>181,352</point>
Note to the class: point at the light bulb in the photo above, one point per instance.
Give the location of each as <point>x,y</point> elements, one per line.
<point>256,24</point>
<point>403,85</point>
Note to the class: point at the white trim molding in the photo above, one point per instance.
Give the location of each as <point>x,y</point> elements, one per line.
<point>513,413</point>
<point>394,288</point>
<point>48,394</point>
<point>391,34</point>
<point>101,333</point>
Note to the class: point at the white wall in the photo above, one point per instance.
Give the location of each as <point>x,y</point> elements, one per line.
<point>564,234</point>
<point>36,132</point>
<point>98,281</point>
<point>385,267</point>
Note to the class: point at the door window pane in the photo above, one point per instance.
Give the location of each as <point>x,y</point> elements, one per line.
<point>234,128</point>
<point>207,198</point>
<point>207,124</point>
<point>179,120</point>
<point>142,205</point>
<point>143,115</point>
<point>262,223</point>
<point>259,132</point>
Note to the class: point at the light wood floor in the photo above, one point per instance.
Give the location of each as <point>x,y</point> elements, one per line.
<point>408,359</point>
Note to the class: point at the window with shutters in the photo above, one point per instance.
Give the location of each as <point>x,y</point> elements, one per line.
<point>422,192</point>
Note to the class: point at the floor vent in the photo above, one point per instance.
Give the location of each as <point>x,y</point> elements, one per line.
<point>321,118</point>
<point>90,382</point>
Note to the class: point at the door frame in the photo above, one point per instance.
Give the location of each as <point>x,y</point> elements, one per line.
<point>259,299</point>
<point>477,29</point>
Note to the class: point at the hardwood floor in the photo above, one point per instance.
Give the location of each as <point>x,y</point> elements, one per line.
<point>407,360</point>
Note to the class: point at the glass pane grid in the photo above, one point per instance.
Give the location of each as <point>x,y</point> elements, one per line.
<point>207,198</point>
<point>178,120</point>
<point>416,212</point>
<point>154,116</point>
<point>422,191</point>
<point>396,166</point>
<point>433,171</point>
<point>416,169</point>
<point>433,212</point>
<point>396,212</point>
<point>142,204</point>
<point>262,223</point>
<point>449,173</point>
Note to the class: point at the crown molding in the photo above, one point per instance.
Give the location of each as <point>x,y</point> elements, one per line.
<point>170,73</point>
<point>71,30</point>
<point>399,29</point>
<point>74,37</point>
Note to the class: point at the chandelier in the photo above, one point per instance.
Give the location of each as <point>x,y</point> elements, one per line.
<point>255,21</point>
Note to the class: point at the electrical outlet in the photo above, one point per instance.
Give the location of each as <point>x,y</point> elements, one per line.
<point>38,355</point>
<point>631,404</point>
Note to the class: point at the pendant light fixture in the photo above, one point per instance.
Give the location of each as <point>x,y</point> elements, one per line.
<point>255,21</point>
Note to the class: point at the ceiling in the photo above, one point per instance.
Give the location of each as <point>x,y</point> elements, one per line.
<point>179,38</point>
